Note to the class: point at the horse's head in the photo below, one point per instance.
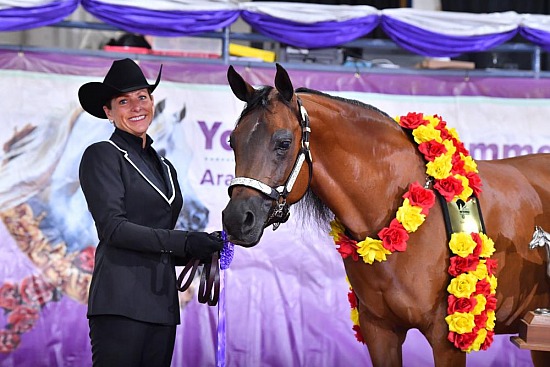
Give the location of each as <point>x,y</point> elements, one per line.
<point>271,143</point>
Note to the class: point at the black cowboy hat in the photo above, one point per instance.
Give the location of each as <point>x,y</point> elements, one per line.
<point>123,76</point>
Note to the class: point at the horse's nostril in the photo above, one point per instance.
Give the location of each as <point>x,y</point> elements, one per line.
<point>248,219</point>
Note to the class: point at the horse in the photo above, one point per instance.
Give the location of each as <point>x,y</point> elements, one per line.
<point>345,159</point>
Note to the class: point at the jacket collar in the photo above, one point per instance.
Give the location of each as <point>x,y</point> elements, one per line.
<point>129,145</point>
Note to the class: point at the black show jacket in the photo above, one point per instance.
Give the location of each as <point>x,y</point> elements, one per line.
<point>134,273</point>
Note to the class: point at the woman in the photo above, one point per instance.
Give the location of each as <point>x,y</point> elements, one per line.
<point>135,199</point>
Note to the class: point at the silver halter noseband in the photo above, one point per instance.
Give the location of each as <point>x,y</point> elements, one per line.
<point>279,194</point>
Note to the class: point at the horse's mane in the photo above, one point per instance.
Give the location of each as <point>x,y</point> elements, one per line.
<point>342,99</point>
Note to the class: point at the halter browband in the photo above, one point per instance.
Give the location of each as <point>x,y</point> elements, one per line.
<point>279,194</point>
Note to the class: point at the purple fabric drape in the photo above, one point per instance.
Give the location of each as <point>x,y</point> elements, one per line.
<point>316,35</point>
<point>160,23</point>
<point>538,37</point>
<point>19,19</point>
<point>422,42</point>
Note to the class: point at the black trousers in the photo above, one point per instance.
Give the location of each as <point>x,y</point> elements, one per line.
<point>118,341</point>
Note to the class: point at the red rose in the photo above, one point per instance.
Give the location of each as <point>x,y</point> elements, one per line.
<point>460,148</point>
<point>491,265</point>
<point>394,237</point>
<point>22,318</point>
<point>9,340</point>
<point>488,340</point>
<point>460,265</point>
<point>458,165</point>
<point>412,120</point>
<point>85,259</point>
<point>358,334</point>
<point>491,304</point>
<point>483,287</point>
<point>444,132</point>
<point>352,299</point>
<point>474,182</point>
<point>477,240</point>
<point>449,187</point>
<point>347,247</point>
<point>442,123</point>
<point>481,320</point>
<point>9,296</point>
<point>419,196</point>
<point>431,149</point>
<point>460,304</point>
<point>479,246</point>
<point>462,341</point>
<point>36,290</point>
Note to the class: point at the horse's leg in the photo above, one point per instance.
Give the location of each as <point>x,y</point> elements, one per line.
<point>540,359</point>
<point>384,343</point>
<point>444,352</point>
<point>447,355</point>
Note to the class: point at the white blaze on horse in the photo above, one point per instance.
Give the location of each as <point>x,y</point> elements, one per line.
<point>356,164</point>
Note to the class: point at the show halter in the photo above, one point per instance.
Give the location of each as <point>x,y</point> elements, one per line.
<point>279,194</point>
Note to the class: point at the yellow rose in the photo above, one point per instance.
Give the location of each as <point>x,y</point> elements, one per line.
<point>462,244</point>
<point>476,345</point>
<point>410,216</point>
<point>452,131</point>
<point>371,249</point>
<point>493,281</point>
<point>432,120</point>
<point>491,318</point>
<point>336,228</point>
<point>461,322</point>
<point>481,271</point>
<point>463,285</point>
<point>451,149</point>
<point>481,301</point>
<point>354,315</point>
<point>425,133</point>
<point>467,192</point>
<point>440,167</point>
<point>487,246</point>
<point>469,164</point>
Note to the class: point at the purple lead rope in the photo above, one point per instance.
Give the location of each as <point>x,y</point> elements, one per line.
<point>226,256</point>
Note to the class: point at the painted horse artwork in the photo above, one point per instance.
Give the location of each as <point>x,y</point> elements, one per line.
<point>387,187</point>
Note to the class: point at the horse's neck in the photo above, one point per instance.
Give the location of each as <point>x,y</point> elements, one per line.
<point>363,164</point>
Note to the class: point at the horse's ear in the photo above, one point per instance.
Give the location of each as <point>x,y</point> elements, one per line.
<point>283,83</point>
<point>241,89</point>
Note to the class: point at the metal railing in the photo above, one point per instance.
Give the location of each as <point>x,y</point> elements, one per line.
<point>227,36</point>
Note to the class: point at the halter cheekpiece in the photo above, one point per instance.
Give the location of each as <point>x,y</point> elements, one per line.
<point>281,212</point>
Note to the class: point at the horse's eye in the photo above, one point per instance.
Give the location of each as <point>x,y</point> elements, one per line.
<point>284,145</point>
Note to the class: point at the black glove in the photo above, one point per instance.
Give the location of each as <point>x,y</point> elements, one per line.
<point>201,245</point>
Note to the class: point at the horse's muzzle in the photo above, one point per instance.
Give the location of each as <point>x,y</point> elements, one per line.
<point>244,219</point>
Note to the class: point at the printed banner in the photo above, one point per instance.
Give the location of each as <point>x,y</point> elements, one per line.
<point>286,299</point>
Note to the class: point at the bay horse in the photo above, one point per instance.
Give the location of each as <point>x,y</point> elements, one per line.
<point>358,164</point>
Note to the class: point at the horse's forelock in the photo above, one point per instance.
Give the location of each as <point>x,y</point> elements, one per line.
<point>258,100</point>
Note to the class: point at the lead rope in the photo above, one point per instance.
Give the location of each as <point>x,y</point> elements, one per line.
<point>211,287</point>
<point>226,256</point>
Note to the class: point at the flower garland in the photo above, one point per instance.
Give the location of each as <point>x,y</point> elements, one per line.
<point>471,300</point>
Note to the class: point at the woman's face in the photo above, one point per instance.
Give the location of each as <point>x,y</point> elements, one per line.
<point>132,111</point>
